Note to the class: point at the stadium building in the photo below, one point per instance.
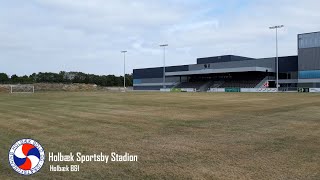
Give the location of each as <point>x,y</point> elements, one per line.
<point>231,71</point>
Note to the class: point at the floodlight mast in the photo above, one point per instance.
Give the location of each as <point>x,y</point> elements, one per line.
<point>277,56</point>
<point>124,69</point>
<point>164,64</point>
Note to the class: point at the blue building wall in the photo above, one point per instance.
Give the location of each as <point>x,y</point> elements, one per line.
<point>314,74</point>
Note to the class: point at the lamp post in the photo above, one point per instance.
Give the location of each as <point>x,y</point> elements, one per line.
<point>124,69</point>
<point>277,57</point>
<point>164,64</point>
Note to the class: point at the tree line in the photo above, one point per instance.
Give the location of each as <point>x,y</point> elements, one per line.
<point>67,78</point>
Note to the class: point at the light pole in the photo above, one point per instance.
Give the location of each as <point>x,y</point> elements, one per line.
<point>124,69</point>
<point>277,57</point>
<point>164,64</point>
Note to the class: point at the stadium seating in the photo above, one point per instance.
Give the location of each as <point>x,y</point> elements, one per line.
<point>240,84</point>
<point>236,82</point>
<point>216,84</point>
<point>194,85</point>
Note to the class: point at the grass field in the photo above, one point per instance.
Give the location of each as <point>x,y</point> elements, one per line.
<point>177,136</point>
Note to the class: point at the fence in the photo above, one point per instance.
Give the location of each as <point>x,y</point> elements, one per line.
<point>309,90</point>
<point>314,90</point>
<point>217,90</point>
<point>179,90</point>
<point>262,90</point>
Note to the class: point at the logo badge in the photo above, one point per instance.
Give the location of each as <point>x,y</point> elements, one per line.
<point>26,156</point>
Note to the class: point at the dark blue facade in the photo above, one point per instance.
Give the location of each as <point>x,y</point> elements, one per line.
<point>148,73</point>
<point>152,78</point>
<point>177,68</point>
<point>288,64</point>
<point>149,88</point>
<point>156,72</point>
<point>219,59</point>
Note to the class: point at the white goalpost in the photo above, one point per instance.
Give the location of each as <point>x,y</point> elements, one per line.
<point>21,89</point>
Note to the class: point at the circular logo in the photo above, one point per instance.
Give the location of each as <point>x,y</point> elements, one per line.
<point>26,156</point>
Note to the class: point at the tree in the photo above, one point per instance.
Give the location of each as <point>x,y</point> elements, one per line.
<point>33,77</point>
<point>68,77</point>
<point>24,80</point>
<point>4,78</point>
<point>14,79</point>
<point>129,80</point>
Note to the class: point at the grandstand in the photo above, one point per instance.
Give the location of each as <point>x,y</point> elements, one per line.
<point>194,85</point>
<point>223,72</point>
<point>222,81</point>
<point>230,71</point>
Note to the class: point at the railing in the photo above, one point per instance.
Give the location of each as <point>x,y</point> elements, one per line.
<point>261,90</point>
<point>179,90</point>
<point>244,90</point>
<point>265,80</point>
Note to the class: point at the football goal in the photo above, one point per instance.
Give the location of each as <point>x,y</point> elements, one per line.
<point>21,89</point>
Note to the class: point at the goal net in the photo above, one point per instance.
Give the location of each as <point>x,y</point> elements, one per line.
<point>21,89</point>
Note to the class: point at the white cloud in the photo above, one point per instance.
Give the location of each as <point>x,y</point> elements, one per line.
<point>88,35</point>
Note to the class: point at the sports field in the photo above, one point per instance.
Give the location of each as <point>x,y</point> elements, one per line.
<point>175,135</point>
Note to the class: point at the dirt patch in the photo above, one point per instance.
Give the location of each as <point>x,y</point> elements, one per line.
<point>56,87</point>
<point>4,88</point>
<point>65,87</point>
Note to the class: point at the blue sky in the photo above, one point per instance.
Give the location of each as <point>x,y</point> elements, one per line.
<point>88,35</point>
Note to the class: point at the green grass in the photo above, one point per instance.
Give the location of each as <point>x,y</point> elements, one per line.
<point>176,135</point>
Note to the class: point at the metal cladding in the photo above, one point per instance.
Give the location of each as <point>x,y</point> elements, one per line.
<point>218,59</point>
<point>309,58</point>
<point>304,68</point>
